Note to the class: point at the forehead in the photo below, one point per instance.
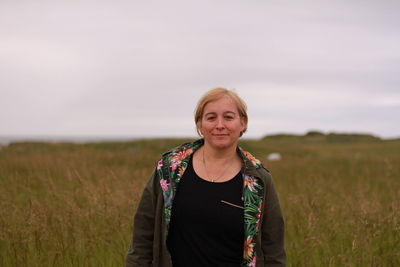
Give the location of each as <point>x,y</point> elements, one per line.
<point>223,104</point>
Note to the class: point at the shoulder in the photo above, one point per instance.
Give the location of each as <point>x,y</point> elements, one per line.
<point>264,175</point>
<point>179,153</point>
<point>256,167</point>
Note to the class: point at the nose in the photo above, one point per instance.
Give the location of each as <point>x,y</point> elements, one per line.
<point>220,124</point>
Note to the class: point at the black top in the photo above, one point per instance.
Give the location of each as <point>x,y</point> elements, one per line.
<point>204,231</point>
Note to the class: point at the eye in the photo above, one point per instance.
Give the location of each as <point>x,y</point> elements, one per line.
<point>210,118</point>
<point>229,117</point>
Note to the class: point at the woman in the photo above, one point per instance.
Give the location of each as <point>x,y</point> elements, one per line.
<point>209,203</point>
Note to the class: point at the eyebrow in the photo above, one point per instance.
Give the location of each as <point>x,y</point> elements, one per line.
<point>210,113</point>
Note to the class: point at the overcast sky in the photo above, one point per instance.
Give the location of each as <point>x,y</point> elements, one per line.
<point>137,68</point>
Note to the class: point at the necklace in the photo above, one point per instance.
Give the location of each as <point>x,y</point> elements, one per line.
<point>208,175</point>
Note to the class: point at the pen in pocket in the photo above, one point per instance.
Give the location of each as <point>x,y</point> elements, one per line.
<point>234,205</point>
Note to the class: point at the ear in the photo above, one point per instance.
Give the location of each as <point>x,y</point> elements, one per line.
<point>243,123</point>
<point>198,128</point>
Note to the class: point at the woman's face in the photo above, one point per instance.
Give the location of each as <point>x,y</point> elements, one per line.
<point>221,123</point>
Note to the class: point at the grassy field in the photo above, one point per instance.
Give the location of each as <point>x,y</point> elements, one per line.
<point>72,204</point>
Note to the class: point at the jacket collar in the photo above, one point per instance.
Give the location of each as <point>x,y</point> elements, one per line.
<point>250,163</point>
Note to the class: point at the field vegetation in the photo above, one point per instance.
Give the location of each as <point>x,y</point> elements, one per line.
<point>65,204</point>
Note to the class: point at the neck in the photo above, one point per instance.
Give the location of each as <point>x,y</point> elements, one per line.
<point>219,154</point>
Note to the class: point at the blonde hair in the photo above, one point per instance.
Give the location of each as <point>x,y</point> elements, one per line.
<point>215,94</point>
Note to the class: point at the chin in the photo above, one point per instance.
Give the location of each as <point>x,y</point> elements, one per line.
<point>222,142</point>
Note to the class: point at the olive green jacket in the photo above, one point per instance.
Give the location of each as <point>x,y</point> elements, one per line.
<point>264,224</point>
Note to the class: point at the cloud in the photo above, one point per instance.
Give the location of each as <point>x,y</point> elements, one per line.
<point>117,67</point>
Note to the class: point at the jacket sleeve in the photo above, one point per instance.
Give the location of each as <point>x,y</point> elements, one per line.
<point>141,248</point>
<point>273,228</point>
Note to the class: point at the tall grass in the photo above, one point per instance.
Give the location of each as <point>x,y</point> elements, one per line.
<point>72,205</point>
